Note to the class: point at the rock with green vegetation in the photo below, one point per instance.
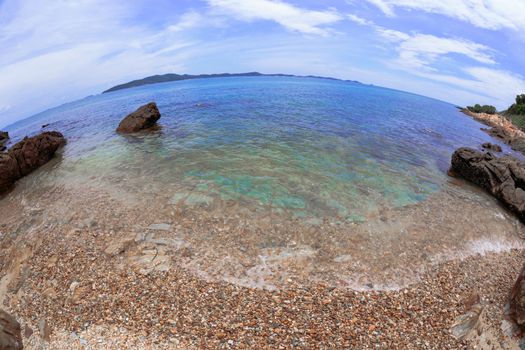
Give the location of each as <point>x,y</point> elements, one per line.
<point>517,108</point>
<point>482,109</point>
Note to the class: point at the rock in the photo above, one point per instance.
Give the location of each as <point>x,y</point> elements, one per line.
<point>467,322</point>
<point>33,152</point>
<point>517,300</point>
<point>45,330</point>
<point>45,126</point>
<point>27,155</point>
<point>160,227</point>
<point>4,136</point>
<point>143,118</point>
<point>491,147</point>
<point>510,137</point>
<point>9,172</point>
<point>503,177</point>
<point>10,332</point>
<point>28,332</point>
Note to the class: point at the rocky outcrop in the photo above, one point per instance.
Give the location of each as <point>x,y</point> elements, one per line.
<point>9,171</point>
<point>491,147</point>
<point>4,136</point>
<point>27,155</point>
<point>33,152</point>
<point>517,300</point>
<point>10,333</point>
<point>143,118</point>
<point>503,177</point>
<point>515,139</point>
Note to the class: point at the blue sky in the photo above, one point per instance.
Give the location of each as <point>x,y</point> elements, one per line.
<point>464,52</point>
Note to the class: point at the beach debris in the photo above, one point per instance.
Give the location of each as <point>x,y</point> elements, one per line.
<point>503,177</point>
<point>143,118</point>
<point>27,155</point>
<point>10,332</point>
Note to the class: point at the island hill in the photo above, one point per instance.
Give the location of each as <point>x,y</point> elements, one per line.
<point>154,79</point>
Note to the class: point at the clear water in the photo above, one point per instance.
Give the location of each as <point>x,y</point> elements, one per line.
<point>262,180</point>
<point>309,147</point>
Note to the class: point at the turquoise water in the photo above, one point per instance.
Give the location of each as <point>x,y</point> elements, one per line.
<point>311,148</point>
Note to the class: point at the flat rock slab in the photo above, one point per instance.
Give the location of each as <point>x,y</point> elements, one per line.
<point>160,227</point>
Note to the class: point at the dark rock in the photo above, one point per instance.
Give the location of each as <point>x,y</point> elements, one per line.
<point>491,147</point>
<point>503,177</point>
<point>28,332</point>
<point>514,140</point>
<point>517,300</point>
<point>10,333</point>
<point>4,136</point>
<point>143,118</point>
<point>9,171</point>
<point>27,155</point>
<point>33,152</point>
<point>45,126</point>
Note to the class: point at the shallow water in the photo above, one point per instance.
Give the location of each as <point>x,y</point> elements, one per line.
<point>306,177</point>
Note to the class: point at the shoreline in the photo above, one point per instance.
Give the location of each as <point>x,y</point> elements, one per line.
<point>90,293</point>
<point>108,276</point>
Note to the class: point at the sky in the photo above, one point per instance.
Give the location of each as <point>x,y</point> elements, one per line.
<point>463,52</point>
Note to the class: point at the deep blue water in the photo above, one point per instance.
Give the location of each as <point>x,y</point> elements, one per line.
<point>307,146</point>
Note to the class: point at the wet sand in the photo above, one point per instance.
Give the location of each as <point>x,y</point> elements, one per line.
<point>108,269</point>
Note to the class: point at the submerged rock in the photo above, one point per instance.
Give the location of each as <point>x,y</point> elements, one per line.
<point>503,177</point>
<point>4,136</point>
<point>491,147</point>
<point>511,137</point>
<point>10,332</point>
<point>143,118</point>
<point>517,300</point>
<point>27,155</point>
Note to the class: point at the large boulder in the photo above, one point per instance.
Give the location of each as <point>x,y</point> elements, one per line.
<point>517,300</point>
<point>143,118</point>
<point>27,155</point>
<point>33,152</point>
<point>4,136</point>
<point>503,177</point>
<point>9,171</point>
<point>10,333</point>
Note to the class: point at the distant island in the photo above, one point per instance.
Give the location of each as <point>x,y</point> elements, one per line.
<point>154,79</point>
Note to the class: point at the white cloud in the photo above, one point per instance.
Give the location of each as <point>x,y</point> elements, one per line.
<point>420,50</point>
<point>188,20</point>
<point>488,14</point>
<point>359,20</point>
<point>393,35</point>
<point>418,54</point>
<point>289,16</point>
